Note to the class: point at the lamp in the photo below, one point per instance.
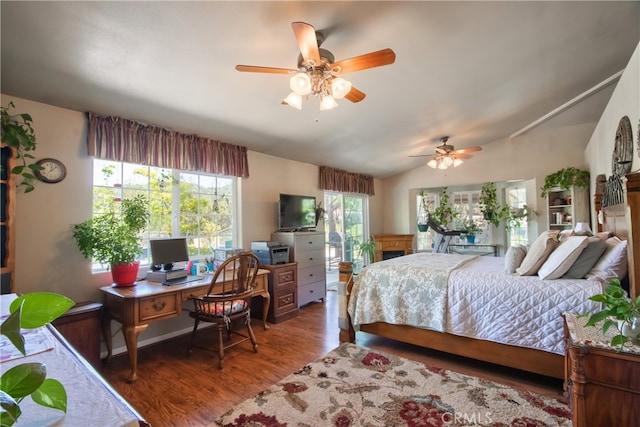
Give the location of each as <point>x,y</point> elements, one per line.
<point>582,229</point>
<point>444,161</point>
<point>317,81</point>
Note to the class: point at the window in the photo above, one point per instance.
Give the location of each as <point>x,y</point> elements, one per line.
<point>197,206</point>
<point>516,199</point>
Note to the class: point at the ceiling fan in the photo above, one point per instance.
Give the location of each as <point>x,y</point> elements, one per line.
<point>318,73</point>
<point>446,155</point>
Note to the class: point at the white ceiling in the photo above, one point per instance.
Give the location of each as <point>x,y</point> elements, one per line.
<point>478,71</point>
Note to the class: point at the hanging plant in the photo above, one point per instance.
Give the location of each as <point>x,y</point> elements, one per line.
<point>423,213</point>
<point>444,213</point>
<point>565,179</point>
<point>18,134</point>
<point>489,206</point>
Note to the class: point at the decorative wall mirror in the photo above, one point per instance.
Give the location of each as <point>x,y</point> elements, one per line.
<point>623,148</point>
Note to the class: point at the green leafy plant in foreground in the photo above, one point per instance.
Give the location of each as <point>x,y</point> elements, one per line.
<point>620,310</point>
<point>30,311</point>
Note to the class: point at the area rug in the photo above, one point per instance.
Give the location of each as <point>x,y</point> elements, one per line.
<point>357,386</point>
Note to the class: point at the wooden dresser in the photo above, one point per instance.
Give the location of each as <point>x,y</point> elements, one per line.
<point>283,287</point>
<point>307,249</point>
<point>603,384</point>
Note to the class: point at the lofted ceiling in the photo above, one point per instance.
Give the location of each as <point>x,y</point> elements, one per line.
<point>477,71</point>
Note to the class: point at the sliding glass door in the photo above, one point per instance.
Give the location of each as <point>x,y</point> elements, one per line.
<point>346,225</point>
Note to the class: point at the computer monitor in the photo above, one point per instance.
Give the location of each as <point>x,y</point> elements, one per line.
<point>166,252</point>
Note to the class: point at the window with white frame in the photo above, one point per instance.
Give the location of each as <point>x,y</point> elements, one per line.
<point>197,206</point>
<point>518,229</point>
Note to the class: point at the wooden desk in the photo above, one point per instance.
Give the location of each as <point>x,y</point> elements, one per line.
<point>146,302</point>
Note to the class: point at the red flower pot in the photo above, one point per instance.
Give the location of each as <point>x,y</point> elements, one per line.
<point>125,274</point>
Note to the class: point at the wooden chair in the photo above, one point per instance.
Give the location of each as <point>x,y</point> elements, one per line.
<point>228,298</point>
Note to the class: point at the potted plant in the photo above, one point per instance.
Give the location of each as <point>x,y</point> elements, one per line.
<point>114,239</point>
<point>444,214</point>
<point>565,179</point>
<point>367,250</point>
<point>471,228</point>
<point>621,312</point>
<point>516,216</point>
<point>18,134</point>
<point>30,311</point>
<point>491,209</point>
<point>423,213</point>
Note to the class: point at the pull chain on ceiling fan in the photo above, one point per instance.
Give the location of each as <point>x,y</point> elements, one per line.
<point>447,156</point>
<point>317,72</point>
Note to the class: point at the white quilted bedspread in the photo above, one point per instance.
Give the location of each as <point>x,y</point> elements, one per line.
<point>526,311</point>
<point>482,301</point>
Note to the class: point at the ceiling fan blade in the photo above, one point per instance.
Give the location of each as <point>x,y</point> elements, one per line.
<point>468,150</point>
<point>269,70</point>
<point>462,156</point>
<point>355,95</point>
<point>307,41</point>
<point>362,62</point>
<point>423,155</point>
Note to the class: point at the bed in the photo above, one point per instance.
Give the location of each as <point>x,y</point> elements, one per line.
<point>471,317</point>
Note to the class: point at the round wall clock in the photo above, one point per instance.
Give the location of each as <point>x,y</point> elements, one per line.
<point>53,171</point>
<point>623,148</point>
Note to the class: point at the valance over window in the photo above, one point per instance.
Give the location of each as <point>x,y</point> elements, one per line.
<point>123,140</point>
<point>346,182</point>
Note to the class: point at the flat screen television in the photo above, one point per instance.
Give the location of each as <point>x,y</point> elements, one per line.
<point>166,252</point>
<point>296,212</point>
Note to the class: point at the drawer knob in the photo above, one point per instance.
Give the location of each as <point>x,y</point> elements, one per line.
<point>157,306</point>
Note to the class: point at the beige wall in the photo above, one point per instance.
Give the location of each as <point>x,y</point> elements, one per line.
<point>46,255</point>
<point>625,101</point>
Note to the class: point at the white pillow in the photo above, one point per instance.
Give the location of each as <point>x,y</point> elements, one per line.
<point>613,263</point>
<point>514,257</point>
<point>563,257</point>
<point>538,253</point>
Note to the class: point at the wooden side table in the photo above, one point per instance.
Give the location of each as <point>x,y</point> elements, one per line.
<point>603,383</point>
<point>80,326</point>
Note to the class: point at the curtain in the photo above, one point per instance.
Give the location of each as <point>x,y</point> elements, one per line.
<point>346,182</point>
<point>123,140</point>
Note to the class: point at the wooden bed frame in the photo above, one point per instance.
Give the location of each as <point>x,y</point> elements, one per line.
<point>618,219</point>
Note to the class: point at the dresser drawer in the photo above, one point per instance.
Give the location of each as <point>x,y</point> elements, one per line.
<point>311,274</point>
<point>310,258</point>
<point>311,292</point>
<point>309,242</point>
<point>285,302</point>
<point>160,306</point>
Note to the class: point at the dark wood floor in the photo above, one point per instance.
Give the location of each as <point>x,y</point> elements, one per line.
<point>176,390</point>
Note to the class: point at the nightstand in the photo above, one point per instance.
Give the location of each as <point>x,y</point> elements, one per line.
<point>603,384</point>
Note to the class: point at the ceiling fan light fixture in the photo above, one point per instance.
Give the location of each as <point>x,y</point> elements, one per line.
<point>442,165</point>
<point>327,102</point>
<point>448,161</point>
<point>294,100</point>
<point>340,87</point>
<point>457,162</point>
<point>301,84</point>
<point>433,163</point>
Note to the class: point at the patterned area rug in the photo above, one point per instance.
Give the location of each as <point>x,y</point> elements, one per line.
<point>356,386</point>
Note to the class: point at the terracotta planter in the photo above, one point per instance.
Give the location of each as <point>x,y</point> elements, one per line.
<point>125,274</point>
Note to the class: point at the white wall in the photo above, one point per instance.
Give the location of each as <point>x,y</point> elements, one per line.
<point>625,101</point>
<point>46,255</point>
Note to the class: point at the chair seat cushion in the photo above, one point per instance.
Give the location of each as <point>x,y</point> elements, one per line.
<point>227,308</point>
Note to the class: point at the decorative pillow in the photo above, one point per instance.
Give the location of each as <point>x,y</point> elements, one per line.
<point>564,235</point>
<point>538,253</point>
<point>513,258</point>
<point>604,235</point>
<point>563,257</point>
<point>587,259</point>
<point>613,263</point>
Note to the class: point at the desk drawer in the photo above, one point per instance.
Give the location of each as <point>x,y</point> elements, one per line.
<point>310,258</point>
<point>311,274</point>
<point>309,242</point>
<point>161,306</point>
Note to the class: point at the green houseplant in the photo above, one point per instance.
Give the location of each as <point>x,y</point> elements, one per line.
<point>470,229</point>
<point>423,213</point>
<point>18,134</point>
<point>30,311</point>
<point>565,179</point>
<point>491,209</point>
<point>114,239</point>
<point>621,312</point>
<point>367,250</point>
<point>444,213</point>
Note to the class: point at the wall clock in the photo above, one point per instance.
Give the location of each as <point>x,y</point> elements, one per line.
<point>623,148</point>
<point>52,171</point>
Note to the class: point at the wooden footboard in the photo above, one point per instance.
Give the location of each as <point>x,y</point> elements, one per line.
<point>526,359</point>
